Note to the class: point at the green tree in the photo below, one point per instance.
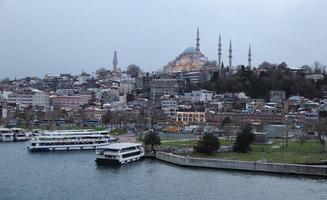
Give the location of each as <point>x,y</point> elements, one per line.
<point>151,140</point>
<point>226,121</point>
<point>273,77</point>
<point>208,144</point>
<point>244,140</point>
<point>133,70</point>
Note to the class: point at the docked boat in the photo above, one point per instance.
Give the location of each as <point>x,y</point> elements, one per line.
<point>20,134</point>
<point>119,153</point>
<point>75,132</point>
<point>69,142</point>
<point>6,135</point>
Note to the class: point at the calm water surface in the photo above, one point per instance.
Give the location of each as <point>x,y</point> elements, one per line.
<point>74,175</point>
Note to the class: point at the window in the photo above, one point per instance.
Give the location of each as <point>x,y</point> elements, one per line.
<point>131,154</point>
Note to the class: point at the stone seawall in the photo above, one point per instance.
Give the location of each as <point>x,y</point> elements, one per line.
<point>312,170</point>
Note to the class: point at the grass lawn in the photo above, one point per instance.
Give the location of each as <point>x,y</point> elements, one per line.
<point>310,152</point>
<point>186,143</point>
<point>117,131</point>
<point>178,143</point>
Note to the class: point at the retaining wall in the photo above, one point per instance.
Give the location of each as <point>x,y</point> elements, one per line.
<point>314,170</point>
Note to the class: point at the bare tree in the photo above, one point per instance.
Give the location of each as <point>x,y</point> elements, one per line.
<point>321,128</point>
<point>108,119</point>
<point>318,67</point>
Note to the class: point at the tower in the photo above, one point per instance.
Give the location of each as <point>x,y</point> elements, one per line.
<point>230,54</point>
<point>198,40</point>
<point>219,52</point>
<point>249,59</point>
<point>115,62</point>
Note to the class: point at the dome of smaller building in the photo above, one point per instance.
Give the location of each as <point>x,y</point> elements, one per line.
<point>190,50</point>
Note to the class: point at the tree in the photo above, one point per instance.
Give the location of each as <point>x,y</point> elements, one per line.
<point>225,125</point>
<point>2,120</point>
<point>141,121</point>
<point>108,118</point>
<point>102,73</point>
<point>244,140</point>
<point>25,117</point>
<point>322,132</point>
<point>40,116</point>
<point>317,66</point>
<point>267,66</point>
<point>208,144</point>
<point>133,70</point>
<point>6,81</point>
<point>282,66</point>
<point>156,115</point>
<point>226,121</point>
<point>151,140</point>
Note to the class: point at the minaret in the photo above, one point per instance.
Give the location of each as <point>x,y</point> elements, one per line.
<point>230,54</point>
<point>250,59</point>
<point>219,52</point>
<point>115,62</point>
<point>198,40</point>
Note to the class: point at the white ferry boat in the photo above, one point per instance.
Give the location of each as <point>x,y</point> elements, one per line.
<point>69,142</point>
<point>20,134</point>
<point>75,132</point>
<point>6,135</point>
<point>119,153</point>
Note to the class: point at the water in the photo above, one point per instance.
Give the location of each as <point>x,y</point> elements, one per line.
<point>74,175</point>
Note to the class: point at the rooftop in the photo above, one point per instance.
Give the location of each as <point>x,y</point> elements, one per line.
<point>119,145</point>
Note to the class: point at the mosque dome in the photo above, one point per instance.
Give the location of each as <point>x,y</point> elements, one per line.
<point>190,50</point>
<point>191,59</point>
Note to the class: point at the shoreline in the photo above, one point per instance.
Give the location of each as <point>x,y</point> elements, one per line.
<point>250,166</point>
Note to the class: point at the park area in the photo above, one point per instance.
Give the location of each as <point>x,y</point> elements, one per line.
<point>310,152</point>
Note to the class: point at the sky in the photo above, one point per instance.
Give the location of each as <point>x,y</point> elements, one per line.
<point>39,37</point>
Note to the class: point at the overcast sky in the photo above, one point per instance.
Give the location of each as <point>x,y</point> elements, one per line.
<point>39,37</point>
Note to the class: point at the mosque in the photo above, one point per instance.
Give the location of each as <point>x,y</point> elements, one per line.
<point>192,59</point>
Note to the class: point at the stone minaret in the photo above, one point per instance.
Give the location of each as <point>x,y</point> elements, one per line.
<point>230,54</point>
<point>250,59</point>
<point>219,52</point>
<point>198,40</point>
<point>115,62</point>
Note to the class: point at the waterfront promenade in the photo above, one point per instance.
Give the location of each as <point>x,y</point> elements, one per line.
<point>258,166</point>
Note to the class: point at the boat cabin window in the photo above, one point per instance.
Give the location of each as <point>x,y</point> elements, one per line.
<point>113,150</point>
<point>131,154</point>
<point>128,149</point>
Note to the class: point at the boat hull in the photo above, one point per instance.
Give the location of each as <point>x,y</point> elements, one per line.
<point>7,139</point>
<point>20,139</point>
<point>101,161</point>
<point>114,162</point>
<point>61,148</point>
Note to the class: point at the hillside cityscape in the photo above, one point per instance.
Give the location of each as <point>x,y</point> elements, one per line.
<point>234,118</point>
<point>190,90</point>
